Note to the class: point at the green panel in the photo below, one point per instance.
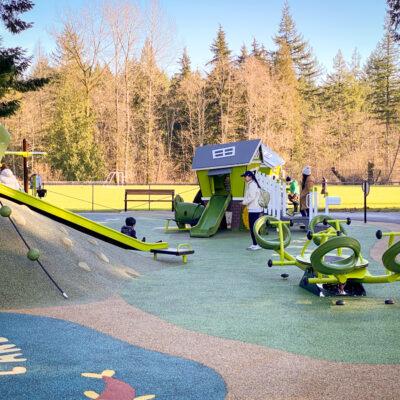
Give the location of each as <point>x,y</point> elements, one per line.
<point>4,140</point>
<point>188,213</point>
<point>204,183</point>
<point>254,166</point>
<point>77,222</point>
<point>266,170</point>
<point>270,171</point>
<point>212,216</point>
<point>221,184</point>
<point>237,182</point>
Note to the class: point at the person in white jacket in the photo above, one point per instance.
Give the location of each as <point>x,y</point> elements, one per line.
<point>8,178</point>
<point>251,199</point>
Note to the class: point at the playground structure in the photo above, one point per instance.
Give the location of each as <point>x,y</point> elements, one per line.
<point>325,273</point>
<point>74,221</point>
<point>219,169</point>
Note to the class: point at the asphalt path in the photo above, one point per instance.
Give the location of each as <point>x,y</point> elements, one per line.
<point>372,216</point>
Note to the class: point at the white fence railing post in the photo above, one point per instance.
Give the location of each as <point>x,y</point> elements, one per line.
<point>277,191</point>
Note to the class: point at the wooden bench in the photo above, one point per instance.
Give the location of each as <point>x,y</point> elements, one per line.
<point>150,192</point>
<point>183,250</point>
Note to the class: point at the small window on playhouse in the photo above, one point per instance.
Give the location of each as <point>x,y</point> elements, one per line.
<point>225,152</point>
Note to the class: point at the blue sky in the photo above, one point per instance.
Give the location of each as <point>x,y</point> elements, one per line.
<point>328,25</point>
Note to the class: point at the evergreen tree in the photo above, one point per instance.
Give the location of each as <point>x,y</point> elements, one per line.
<point>258,51</point>
<point>305,63</point>
<point>72,147</point>
<point>383,76</point>
<point>394,15</point>
<point>334,90</point>
<point>219,48</point>
<point>244,54</point>
<point>13,61</point>
<point>185,64</point>
<point>344,99</point>
<point>219,89</point>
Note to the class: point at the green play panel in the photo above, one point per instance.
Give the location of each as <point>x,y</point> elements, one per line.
<point>229,292</point>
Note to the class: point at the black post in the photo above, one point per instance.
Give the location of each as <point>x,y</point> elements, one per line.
<point>365,208</point>
<point>26,178</point>
<point>365,188</point>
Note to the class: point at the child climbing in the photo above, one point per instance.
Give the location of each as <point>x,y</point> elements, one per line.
<point>294,193</point>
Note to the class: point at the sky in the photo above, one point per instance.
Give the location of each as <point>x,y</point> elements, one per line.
<point>328,25</point>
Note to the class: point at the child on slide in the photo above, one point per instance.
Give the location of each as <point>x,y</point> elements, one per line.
<point>129,227</point>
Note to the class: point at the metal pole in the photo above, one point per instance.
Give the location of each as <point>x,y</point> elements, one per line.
<point>149,197</point>
<point>365,207</point>
<point>26,178</point>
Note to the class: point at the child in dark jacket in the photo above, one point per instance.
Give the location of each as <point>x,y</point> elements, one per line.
<point>129,227</point>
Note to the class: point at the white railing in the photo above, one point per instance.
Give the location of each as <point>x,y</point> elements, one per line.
<point>277,191</point>
<point>312,203</point>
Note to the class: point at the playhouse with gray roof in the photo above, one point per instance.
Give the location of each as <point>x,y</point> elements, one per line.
<point>219,168</point>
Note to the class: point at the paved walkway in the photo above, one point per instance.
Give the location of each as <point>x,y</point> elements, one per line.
<point>372,216</point>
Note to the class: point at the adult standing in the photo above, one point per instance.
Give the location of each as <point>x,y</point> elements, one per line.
<point>251,200</point>
<point>307,185</point>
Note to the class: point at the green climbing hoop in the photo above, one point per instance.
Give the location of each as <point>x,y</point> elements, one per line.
<point>340,267</point>
<point>260,228</point>
<point>389,258</point>
<point>319,219</point>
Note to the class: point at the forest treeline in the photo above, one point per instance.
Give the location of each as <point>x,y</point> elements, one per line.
<point>111,106</point>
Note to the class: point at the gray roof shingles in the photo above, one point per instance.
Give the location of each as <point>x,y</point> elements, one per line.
<point>244,152</point>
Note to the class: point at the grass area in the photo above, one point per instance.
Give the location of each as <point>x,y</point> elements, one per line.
<point>106,198</point>
<point>81,197</point>
<point>380,197</point>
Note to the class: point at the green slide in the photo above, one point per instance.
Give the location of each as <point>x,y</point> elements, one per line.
<point>77,222</point>
<point>212,216</point>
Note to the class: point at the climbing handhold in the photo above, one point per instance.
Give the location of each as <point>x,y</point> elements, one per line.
<point>102,257</point>
<point>5,211</point>
<point>84,266</point>
<point>33,254</point>
<point>67,242</point>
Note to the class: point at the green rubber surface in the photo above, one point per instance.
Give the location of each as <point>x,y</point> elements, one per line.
<point>228,292</point>
<point>212,216</point>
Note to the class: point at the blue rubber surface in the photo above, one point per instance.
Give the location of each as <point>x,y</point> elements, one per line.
<point>58,352</point>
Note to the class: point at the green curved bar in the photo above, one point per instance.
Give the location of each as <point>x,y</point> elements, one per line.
<point>318,219</point>
<point>389,258</point>
<point>337,267</point>
<point>274,243</point>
